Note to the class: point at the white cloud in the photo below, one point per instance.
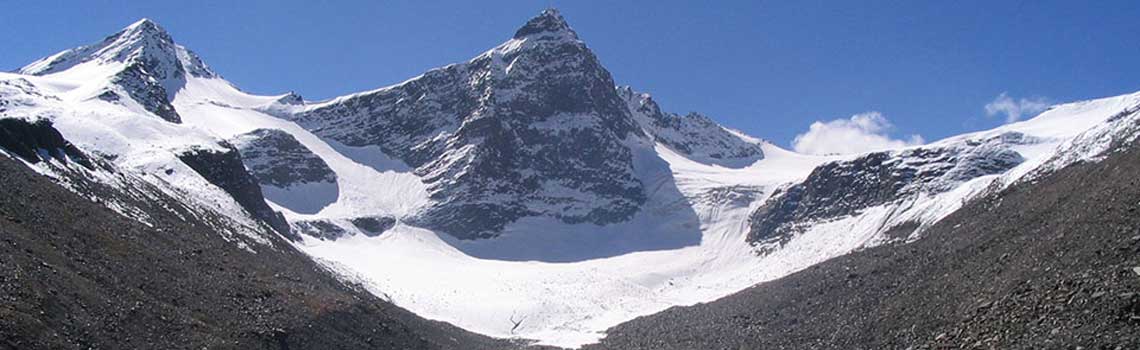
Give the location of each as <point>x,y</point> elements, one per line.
<point>863,132</point>
<point>1014,109</point>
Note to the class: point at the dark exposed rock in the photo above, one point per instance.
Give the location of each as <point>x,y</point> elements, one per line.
<point>902,231</point>
<point>549,21</point>
<point>371,226</point>
<point>374,225</point>
<point>135,80</point>
<point>35,141</point>
<point>276,158</point>
<point>109,96</point>
<point>693,134</point>
<point>225,170</point>
<point>321,229</point>
<point>292,98</point>
<point>843,188</point>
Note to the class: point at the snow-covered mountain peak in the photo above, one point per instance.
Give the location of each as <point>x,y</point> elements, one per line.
<point>143,42</point>
<point>140,63</point>
<point>145,29</point>
<point>548,24</point>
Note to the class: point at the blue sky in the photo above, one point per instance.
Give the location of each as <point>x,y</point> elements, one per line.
<point>770,68</point>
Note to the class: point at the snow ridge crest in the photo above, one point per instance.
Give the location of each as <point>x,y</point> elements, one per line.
<point>141,42</point>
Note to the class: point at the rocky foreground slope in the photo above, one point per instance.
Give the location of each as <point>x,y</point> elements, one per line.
<point>79,275</point>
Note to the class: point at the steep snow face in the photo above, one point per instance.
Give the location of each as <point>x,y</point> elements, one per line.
<point>1082,131</point>
<point>1116,133</point>
<point>18,94</point>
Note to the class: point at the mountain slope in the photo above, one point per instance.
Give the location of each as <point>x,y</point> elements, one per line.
<point>1046,263</point>
<point>694,135</point>
<point>80,275</point>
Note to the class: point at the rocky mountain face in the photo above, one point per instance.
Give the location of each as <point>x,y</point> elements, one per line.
<point>150,67</point>
<point>693,135</point>
<point>276,159</point>
<point>844,188</point>
<point>289,173</point>
<point>533,127</point>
